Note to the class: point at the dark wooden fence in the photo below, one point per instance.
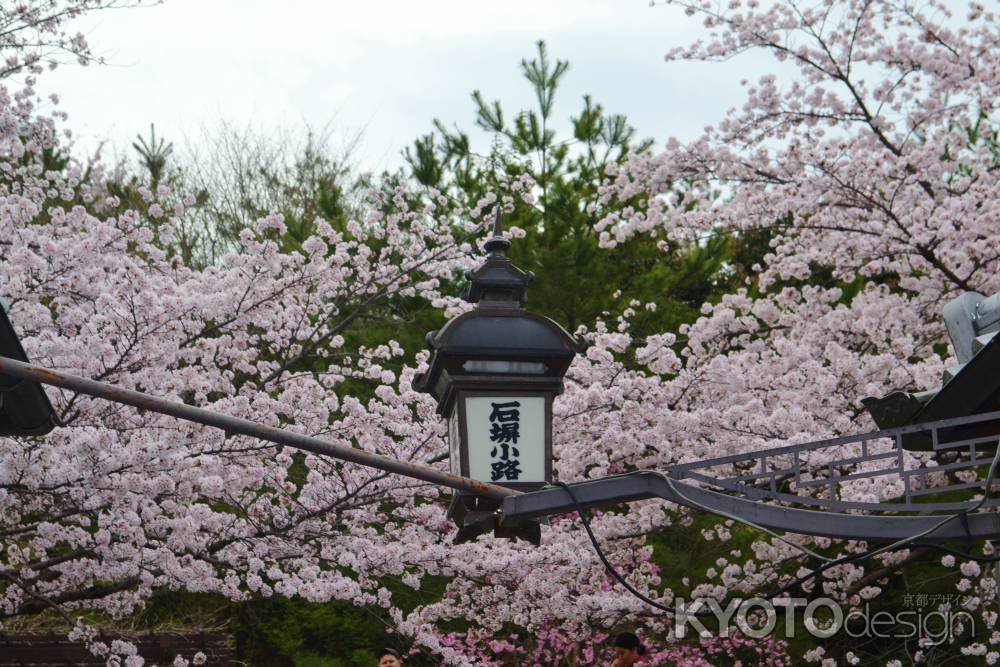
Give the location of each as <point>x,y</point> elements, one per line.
<point>160,649</point>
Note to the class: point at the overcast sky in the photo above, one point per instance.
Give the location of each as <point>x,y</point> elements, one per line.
<point>386,68</point>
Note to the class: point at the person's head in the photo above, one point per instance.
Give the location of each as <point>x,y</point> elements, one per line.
<point>628,648</point>
<point>389,657</point>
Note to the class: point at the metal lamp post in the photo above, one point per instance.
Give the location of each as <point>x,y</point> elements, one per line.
<point>24,408</point>
<point>494,372</point>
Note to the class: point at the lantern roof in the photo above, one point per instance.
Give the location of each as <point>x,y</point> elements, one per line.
<point>498,330</point>
<point>519,334</point>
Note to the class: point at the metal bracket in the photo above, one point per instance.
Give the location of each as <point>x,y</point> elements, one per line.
<point>814,488</point>
<point>476,515</point>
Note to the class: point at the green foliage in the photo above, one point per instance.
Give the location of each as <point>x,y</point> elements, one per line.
<point>282,631</point>
<point>154,155</point>
<point>237,177</point>
<point>578,282</point>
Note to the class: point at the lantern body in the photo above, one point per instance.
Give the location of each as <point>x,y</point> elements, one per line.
<point>494,372</point>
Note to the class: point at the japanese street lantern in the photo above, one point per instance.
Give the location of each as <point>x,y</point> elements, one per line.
<point>494,371</point>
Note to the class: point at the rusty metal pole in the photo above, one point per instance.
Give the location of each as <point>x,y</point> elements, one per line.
<point>31,372</point>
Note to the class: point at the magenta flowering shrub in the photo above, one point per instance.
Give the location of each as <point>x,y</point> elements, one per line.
<point>572,644</point>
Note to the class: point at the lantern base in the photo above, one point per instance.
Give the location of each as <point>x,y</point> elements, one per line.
<point>476,515</point>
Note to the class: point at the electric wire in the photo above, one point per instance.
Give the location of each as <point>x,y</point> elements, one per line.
<point>673,610</point>
<point>693,503</point>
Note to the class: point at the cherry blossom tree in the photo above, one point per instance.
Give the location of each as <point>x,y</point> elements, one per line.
<point>114,505</point>
<point>867,167</point>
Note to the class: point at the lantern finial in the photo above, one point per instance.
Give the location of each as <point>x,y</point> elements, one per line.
<point>497,281</point>
<point>497,243</point>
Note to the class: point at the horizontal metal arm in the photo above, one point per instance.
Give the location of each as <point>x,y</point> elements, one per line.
<point>642,485</point>
<point>31,372</point>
